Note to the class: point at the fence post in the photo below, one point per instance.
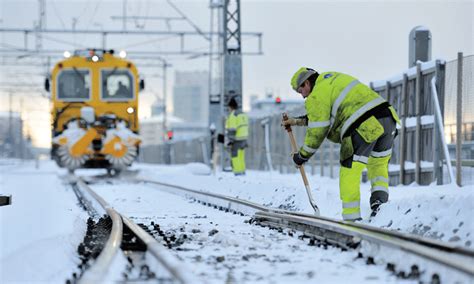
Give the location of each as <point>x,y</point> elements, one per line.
<point>459,122</point>
<point>205,155</point>
<point>418,124</point>
<point>387,90</point>
<point>265,123</point>
<point>437,161</point>
<point>171,153</point>
<point>403,114</point>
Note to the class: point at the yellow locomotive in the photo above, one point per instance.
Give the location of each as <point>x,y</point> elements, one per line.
<point>94,110</point>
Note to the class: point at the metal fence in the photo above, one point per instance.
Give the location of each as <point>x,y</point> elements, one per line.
<point>459,120</point>
<point>467,99</point>
<point>418,147</point>
<point>417,156</point>
<point>177,152</point>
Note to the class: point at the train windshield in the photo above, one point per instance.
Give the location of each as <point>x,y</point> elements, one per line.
<point>73,85</point>
<point>117,85</point>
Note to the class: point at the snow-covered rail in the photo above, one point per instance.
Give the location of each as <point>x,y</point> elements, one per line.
<point>430,259</point>
<point>98,272</point>
<point>427,259</point>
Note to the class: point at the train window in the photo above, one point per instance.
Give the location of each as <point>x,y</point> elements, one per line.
<point>73,85</point>
<point>117,85</point>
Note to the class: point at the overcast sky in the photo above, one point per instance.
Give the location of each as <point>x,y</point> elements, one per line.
<point>368,39</point>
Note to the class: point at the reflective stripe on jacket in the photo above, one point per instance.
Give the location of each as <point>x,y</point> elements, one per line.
<point>237,126</point>
<point>335,102</point>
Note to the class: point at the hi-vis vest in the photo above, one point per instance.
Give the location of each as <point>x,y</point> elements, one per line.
<point>237,126</point>
<point>336,101</point>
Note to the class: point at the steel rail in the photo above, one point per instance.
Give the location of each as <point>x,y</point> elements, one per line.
<point>341,232</point>
<point>97,273</point>
<point>437,253</point>
<point>99,269</point>
<point>229,203</point>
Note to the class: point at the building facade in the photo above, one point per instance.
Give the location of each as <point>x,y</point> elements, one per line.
<point>190,96</point>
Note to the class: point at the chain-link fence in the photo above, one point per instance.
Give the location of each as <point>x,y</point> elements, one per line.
<point>467,115</point>
<point>274,155</point>
<point>467,100</point>
<point>274,152</point>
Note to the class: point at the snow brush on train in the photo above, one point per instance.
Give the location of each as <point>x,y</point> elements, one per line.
<point>94,110</point>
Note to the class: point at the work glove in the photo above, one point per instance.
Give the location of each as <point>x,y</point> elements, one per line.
<point>299,159</point>
<point>291,121</point>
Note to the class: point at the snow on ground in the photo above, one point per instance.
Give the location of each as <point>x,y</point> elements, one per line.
<point>220,247</point>
<point>40,231</point>
<point>440,212</point>
<point>42,227</point>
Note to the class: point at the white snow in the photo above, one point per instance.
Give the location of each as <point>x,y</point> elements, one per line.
<point>424,120</point>
<point>73,133</point>
<point>122,132</point>
<point>40,231</point>
<point>222,248</point>
<point>42,227</point>
<point>435,211</point>
<point>410,72</point>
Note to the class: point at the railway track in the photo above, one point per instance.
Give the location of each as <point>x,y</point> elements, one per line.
<point>115,243</point>
<point>408,256</point>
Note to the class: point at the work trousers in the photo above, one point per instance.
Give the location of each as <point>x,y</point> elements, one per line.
<point>375,155</point>
<point>238,157</point>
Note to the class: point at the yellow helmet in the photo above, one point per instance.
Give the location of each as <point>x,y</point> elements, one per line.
<point>300,76</point>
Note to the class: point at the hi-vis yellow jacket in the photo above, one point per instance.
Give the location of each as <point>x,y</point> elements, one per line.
<point>237,126</point>
<point>336,101</point>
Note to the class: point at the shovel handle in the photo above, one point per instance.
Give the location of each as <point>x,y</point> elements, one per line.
<point>294,148</point>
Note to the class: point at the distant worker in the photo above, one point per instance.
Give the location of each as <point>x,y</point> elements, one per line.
<point>348,112</point>
<point>237,131</point>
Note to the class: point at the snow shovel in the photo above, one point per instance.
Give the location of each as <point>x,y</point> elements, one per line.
<point>294,148</point>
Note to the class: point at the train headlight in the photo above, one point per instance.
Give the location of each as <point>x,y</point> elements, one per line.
<point>67,54</point>
<point>130,110</point>
<point>95,58</point>
<point>122,54</point>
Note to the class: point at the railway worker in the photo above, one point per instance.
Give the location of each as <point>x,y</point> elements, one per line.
<point>348,112</point>
<point>237,130</point>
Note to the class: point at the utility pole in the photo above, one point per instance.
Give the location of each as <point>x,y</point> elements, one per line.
<point>231,61</point>
<point>232,77</point>
<point>165,128</point>
<point>215,70</point>
<point>232,64</point>
<point>166,143</point>
<point>41,24</point>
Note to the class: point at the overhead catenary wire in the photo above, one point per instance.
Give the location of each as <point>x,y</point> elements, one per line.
<point>58,14</point>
